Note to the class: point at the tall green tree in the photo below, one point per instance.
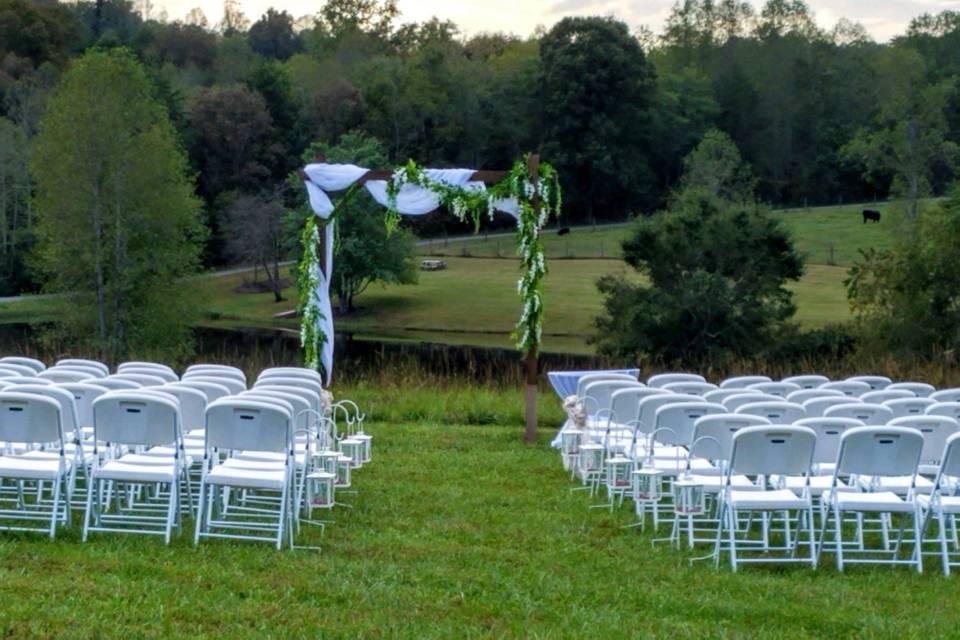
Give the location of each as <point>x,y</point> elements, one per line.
<point>118,226</point>
<point>716,270</point>
<point>597,88</point>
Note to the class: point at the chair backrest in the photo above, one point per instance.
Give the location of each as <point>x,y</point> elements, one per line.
<point>693,388</point>
<point>647,411</point>
<point>662,379</point>
<point>865,413</point>
<point>880,396</point>
<point>803,395</point>
<point>250,425</point>
<point>921,389</point>
<point>829,432</point>
<point>93,372</point>
<point>86,363</point>
<point>734,402</point>
<point>879,451</point>
<point>69,417</point>
<point>215,369</point>
<point>947,395</point>
<point>59,374</point>
<point>781,412</point>
<point>136,418</point>
<point>84,393</point>
<point>30,418</point>
<point>19,369</point>
<point>290,372</point>
<point>950,459</point>
<point>193,405</point>
<point>935,430</point>
<point>808,381</point>
<point>625,403</point>
<point>33,363</point>
<point>677,421</point>
<point>775,449</point>
<point>949,409</point>
<point>587,378</point>
<point>233,384</point>
<point>212,390</point>
<point>155,366</point>
<point>164,374</point>
<point>851,388</point>
<point>874,382</point>
<point>779,389</point>
<point>312,397</point>
<point>713,434</point>
<point>597,396</point>
<point>301,407</point>
<point>742,382</point>
<point>909,406</point>
<point>117,384</point>
<point>815,407</point>
<point>143,379</point>
<point>720,395</point>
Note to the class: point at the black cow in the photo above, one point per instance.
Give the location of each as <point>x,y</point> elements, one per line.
<point>871,214</point>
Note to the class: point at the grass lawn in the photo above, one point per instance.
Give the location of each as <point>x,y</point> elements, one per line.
<point>457,531</point>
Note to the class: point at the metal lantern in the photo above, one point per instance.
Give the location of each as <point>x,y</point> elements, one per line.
<point>618,474</point>
<point>353,449</point>
<point>328,461</point>
<point>647,491</point>
<point>570,441</point>
<point>589,460</point>
<point>366,452</point>
<point>344,468</point>
<point>320,493</point>
<point>688,498</point>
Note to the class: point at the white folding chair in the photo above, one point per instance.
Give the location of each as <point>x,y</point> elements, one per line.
<point>231,383</point>
<point>10,368</point>
<point>215,370</point>
<point>742,382</point>
<point>779,389</point>
<point>692,387</point>
<point>156,366</point>
<point>164,373</point>
<point>117,384</point>
<point>59,374</point>
<point>596,401</point>
<point>877,453</point>
<point>586,379</point>
<point>880,396</point>
<point>85,363</point>
<point>852,388</point>
<point>946,395</point>
<point>781,412</point>
<point>36,365</point>
<point>291,372</point>
<point>865,413</point>
<point>921,389</point>
<point>732,403</point>
<point>137,419</point>
<point>874,382</point>
<point>33,420</point>
<point>84,393</point>
<point>803,395</point>
<point>943,504</point>
<point>815,407</point>
<point>238,424</point>
<point>809,381</point>
<point>765,451</point>
<point>144,380</point>
<point>720,395</point>
<point>92,371</point>
<point>662,379</point>
<point>902,407</point>
<point>212,390</point>
<point>935,430</point>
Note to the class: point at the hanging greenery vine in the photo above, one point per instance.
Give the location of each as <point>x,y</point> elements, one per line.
<point>465,203</point>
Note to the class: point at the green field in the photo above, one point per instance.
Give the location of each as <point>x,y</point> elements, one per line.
<point>474,301</point>
<point>457,531</point>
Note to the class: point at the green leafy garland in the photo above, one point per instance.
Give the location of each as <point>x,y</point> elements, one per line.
<point>464,203</point>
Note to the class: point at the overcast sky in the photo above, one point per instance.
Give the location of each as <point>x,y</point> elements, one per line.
<point>882,18</point>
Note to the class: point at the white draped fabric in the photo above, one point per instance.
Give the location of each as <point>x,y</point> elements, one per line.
<point>412,200</point>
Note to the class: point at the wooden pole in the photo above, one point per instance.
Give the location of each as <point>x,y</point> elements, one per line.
<point>533,167</point>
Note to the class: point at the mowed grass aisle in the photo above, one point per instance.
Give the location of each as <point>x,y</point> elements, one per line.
<point>457,531</point>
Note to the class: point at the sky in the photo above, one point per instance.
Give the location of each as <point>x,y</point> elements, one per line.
<point>882,18</point>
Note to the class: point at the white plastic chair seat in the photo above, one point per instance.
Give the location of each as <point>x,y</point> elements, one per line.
<point>775,500</point>
<point>818,484</point>
<point>153,458</point>
<point>713,483</point>
<point>271,479</point>
<point>674,466</point>
<point>69,451</point>
<point>897,484</point>
<point>32,467</point>
<point>257,465</point>
<point>667,451</point>
<point>948,504</point>
<point>123,472</point>
<point>879,501</point>
<point>266,456</point>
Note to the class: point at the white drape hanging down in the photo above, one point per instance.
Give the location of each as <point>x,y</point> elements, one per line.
<point>412,200</point>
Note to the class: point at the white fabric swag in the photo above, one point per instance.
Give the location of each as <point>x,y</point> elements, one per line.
<point>412,200</point>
